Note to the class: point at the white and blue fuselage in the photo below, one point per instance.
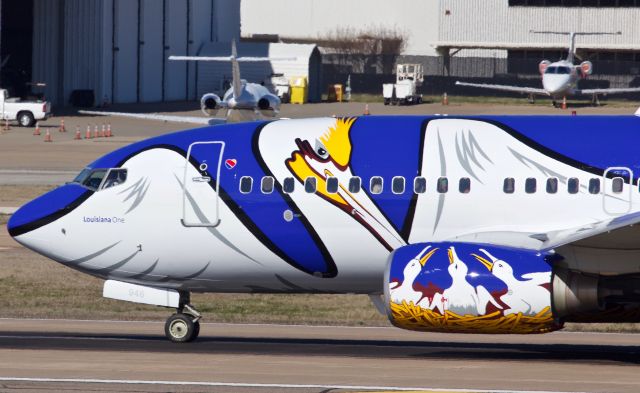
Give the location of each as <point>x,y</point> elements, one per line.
<point>318,205</point>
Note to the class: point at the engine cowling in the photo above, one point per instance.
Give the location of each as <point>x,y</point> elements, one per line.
<point>473,288</point>
<point>269,105</point>
<point>210,104</point>
<point>542,67</point>
<point>470,288</point>
<point>586,67</point>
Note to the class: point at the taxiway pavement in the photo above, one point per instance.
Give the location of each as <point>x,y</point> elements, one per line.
<point>109,355</point>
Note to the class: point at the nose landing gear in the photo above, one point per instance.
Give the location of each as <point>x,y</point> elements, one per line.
<point>184,325</point>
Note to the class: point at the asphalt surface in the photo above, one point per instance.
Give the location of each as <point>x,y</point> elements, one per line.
<point>66,354</point>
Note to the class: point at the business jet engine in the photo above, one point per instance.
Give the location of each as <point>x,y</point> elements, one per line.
<point>586,67</point>
<point>269,105</point>
<point>542,67</point>
<point>474,288</point>
<point>210,104</point>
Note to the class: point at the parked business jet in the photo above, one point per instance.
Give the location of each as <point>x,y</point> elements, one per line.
<point>511,224</point>
<point>243,101</point>
<point>560,79</point>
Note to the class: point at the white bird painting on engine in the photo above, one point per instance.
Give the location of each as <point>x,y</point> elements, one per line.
<point>404,291</point>
<point>461,297</point>
<point>525,296</point>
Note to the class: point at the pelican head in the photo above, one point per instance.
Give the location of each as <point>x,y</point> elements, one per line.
<point>456,266</point>
<point>414,267</point>
<point>498,267</point>
<point>327,156</point>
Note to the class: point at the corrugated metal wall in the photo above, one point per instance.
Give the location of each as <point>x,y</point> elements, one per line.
<point>119,48</point>
<point>494,21</point>
<point>66,46</point>
<point>47,57</point>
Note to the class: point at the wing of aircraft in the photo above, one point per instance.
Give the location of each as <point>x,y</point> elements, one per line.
<point>159,117</point>
<point>514,89</point>
<point>609,91</point>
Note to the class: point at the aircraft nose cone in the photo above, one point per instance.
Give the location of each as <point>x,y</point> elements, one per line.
<point>46,208</point>
<point>554,85</point>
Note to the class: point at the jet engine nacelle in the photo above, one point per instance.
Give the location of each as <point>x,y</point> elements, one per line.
<point>473,288</point>
<point>542,67</point>
<point>269,105</point>
<point>210,104</point>
<point>586,67</point>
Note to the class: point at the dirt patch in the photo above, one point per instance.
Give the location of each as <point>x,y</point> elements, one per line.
<point>16,196</point>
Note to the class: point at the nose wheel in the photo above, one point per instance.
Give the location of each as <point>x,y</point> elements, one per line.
<point>184,325</point>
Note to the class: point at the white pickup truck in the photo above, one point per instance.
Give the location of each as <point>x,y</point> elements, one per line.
<point>25,112</point>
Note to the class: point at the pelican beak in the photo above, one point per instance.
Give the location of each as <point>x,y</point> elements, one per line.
<point>450,254</point>
<point>423,260</point>
<point>484,261</point>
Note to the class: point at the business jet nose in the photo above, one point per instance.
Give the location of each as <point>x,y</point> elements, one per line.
<point>46,209</point>
<point>555,84</point>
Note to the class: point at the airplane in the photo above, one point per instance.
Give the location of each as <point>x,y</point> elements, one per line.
<point>560,78</point>
<point>344,205</point>
<point>243,101</point>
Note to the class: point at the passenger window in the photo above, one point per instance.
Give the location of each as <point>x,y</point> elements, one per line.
<point>289,185</point>
<point>246,184</point>
<point>397,185</point>
<point>94,179</point>
<point>114,178</point>
<point>310,185</point>
<point>509,185</point>
<point>443,185</point>
<point>375,185</point>
<point>530,185</point>
<point>332,185</point>
<point>573,185</point>
<point>464,185</point>
<point>552,185</point>
<point>355,183</point>
<point>267,185</point>
<point>594,186</point>
<point>419,185</point>
<point>617,184</point>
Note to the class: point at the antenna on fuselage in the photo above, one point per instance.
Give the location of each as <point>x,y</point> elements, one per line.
<point>572,38</point>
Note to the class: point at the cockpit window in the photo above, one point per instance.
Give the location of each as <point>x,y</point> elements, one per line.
<point>115,177</point>
<point>82,176</point>
<point>94,178</point>
<point>557,70</point>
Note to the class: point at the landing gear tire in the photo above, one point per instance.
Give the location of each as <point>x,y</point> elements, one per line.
<point>180,328</point>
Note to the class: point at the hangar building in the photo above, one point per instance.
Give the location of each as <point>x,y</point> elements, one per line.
<point>471,40</point>
<point>114,49</point>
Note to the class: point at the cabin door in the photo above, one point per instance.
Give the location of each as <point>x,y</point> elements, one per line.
<point>618,190</point>
<point>201,184</point>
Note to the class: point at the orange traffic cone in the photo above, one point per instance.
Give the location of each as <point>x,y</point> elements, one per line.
<point>564,102</point>
<point>62,128</point>
<point>366,110</point>
<point>95,131</point>
<point>36,132</point>
<point>109,134</point>
<point>445,99</point>
<point>103,131</point>
<point>87,135</point>
<point>78,135</point>
<point>47,136</point>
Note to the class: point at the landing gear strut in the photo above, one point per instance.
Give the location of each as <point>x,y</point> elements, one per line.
<point>184,325</point>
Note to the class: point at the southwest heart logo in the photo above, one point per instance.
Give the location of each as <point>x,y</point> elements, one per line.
<point>230,163</point>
